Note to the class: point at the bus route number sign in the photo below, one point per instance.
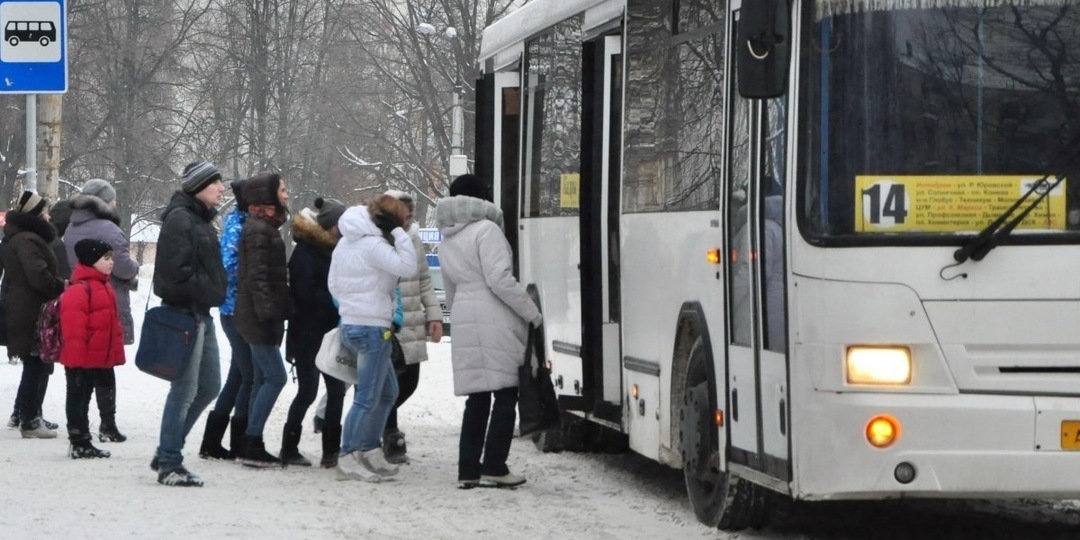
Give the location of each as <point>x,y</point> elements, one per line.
<point>950,203</point>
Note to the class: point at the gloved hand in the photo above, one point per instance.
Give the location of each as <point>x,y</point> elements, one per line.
<point>133,283</point>
<point>386,222</point>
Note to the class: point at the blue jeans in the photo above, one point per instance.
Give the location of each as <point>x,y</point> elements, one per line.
<point>376,391</point>
<point>188,397</point>
<point>269,380</point>
<point>237,389</point>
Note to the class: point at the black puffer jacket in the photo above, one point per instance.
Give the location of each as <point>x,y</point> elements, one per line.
<point>309,267</point>
<point>262,292</point>
<point>30,273</point>
<point>176,281</point>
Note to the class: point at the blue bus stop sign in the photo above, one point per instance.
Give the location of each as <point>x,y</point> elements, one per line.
<point>33,55</point>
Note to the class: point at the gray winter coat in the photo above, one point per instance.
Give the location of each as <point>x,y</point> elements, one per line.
<point>92,217</point>
<point>490,309</point>
<point>419,305</point>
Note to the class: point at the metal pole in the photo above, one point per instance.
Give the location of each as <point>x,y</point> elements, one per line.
<point>456,122</point>
<point>31,142</point>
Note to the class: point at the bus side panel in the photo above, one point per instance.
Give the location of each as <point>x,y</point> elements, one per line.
<point>664,265</point>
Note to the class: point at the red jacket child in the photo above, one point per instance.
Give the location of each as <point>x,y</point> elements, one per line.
<point>89,322</point>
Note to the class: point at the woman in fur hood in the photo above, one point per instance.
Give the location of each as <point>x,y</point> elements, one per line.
<point>315,314</point>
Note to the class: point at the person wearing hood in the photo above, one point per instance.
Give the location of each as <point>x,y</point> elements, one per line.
<point>262,304</point>
<point>94,217</point>
<point>31,277</point>
<point>421,321</point>
<point>492,313</point>
<point>373,253</point>
<point>235,396</point>
<point>316,234</point>
<point>189,276</point>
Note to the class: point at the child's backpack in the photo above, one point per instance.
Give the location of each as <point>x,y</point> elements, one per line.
<point>48,326</point>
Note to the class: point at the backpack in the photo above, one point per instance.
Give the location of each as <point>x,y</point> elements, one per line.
<point>48,326</point>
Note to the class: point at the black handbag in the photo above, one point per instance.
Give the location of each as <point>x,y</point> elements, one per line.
<point>538,406</point>
<point>169,338</point>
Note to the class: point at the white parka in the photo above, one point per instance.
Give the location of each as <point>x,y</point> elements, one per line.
<point>419,304</point>
<point>364,269</point>
<point>490,309</point>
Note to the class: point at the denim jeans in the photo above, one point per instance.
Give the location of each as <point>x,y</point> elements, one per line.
<point>188,397</point>
<point>237,389</point>
<point>376,390</point>
<point>270,378</point>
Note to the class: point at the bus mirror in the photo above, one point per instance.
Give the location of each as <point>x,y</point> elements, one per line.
<point>764,48</point>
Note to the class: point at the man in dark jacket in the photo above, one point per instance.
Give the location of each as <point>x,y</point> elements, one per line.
<point>188,275</point>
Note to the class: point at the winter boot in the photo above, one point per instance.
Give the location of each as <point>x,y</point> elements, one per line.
<point>236,436</point>
<point>13,422</point>
<point>290,449</point>
<point>36,430</point>
<point>318,423</point>
<point>376,462</point>
<point>179,477</point>
<point>394,447</point>
<point>255,454</point>
<point>331,445</point>
<point>216,424</point>
<point>107,432</point>
<point>82,447</point>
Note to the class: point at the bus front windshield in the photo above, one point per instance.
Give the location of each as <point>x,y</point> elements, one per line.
<point>922,125</point>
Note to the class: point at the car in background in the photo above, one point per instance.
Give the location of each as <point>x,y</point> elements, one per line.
<point>440,293</point>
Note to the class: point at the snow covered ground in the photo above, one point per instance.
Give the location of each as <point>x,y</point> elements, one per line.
<point>45,494</point>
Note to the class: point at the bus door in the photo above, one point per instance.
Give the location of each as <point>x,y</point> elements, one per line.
<point>601,177</point>
<point>757,388</point>
<point>499,119</point>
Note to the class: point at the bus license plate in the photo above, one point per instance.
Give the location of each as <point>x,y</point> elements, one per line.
<point>1070,434</point>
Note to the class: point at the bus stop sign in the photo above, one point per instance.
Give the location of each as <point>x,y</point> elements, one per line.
<point>33,55</point>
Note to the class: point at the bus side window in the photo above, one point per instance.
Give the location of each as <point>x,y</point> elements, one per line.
<point>34,27</point>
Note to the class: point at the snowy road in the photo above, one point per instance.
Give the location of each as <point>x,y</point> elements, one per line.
<point>588,496</point>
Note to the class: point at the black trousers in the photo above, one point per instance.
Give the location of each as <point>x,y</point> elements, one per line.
<point>105,391</point>
<point>80,384</point>
<point>479,455</point>
<point>32,387</point>
<point>407,381</point>
<point>307,380</point>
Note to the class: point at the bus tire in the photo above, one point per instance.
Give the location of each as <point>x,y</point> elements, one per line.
<point>14,41</point>
<point>44,41</point>
<point>718,498</point>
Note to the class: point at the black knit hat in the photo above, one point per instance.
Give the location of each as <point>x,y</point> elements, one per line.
<point>197,176</point>
<point>88,250</point>
<point>330,211</point>
<point>469,185</point>
<point>238,192</point>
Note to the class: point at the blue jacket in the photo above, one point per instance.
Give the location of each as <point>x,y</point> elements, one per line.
<point>230,239</point>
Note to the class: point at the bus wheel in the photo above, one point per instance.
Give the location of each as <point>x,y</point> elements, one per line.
<point>719,499</point>
<point>14,41</point>
<point>44,41</point>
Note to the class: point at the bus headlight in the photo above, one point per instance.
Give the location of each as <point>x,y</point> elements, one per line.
<point>878,365</point>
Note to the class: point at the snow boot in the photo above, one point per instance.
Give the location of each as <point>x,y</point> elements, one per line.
<point>108,432</point>
<point>37,430</point>
<point>331,445</point>
<point>290,449</point>
<point>82,447</point>
<point>394,447</point>
<point>255,454</point>
<point>13,422</point>
<point>216,424</point>
<point>179,477</point>
<point>236,436</point>
<point>318,423</point>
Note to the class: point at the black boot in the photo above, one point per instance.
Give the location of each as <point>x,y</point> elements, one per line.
<point>290,449</point>
<point>394,447</point>
<point>236,436</point>
<point>82,447</point>
<point>216,424</point>
<point>331,445</point>
<point>255,454</point>
<point>107,432</point>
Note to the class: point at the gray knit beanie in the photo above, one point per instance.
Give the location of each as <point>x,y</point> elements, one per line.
<point>197,176</point>
<point>330,211</point>
<point>100,189</point>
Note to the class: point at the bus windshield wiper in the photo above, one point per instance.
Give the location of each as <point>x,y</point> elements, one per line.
<point>995,232</point>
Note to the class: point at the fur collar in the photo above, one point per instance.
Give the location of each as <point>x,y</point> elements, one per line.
<point>307,231</point>
<point>95,206</point>
<point>20,222</point>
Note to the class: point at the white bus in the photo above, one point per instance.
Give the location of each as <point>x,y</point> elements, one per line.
<point>759,235</point>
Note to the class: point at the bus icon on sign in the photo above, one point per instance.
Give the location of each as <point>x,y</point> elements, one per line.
<point>16,32</point>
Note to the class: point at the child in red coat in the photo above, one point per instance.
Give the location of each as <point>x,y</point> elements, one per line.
<point>93,339</point>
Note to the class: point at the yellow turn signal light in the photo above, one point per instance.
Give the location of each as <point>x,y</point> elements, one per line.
<point>882,431</point>
<point>634,391</point>
<point>713,256</point>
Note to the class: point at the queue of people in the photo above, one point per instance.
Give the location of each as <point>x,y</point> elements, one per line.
<point>351,268</point>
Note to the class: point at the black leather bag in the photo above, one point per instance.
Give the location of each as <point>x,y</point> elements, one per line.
<point>170,338</point>
<point>538,406</point>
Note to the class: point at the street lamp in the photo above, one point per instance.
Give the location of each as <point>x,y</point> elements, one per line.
<point>459,163</point>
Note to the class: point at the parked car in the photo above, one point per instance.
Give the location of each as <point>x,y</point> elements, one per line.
<point>440,293</point>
